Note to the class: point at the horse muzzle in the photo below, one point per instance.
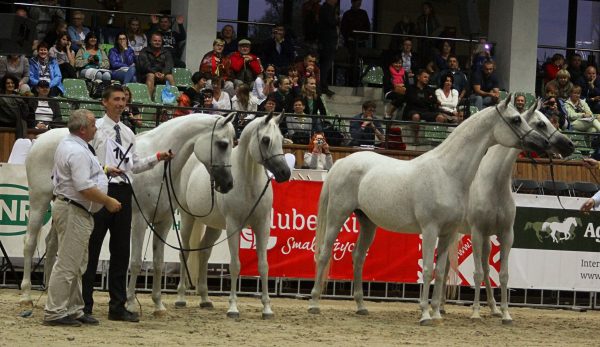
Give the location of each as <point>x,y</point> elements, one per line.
<point>535,142</point>
<point>279,168</point>
<point>223,179</point>
<point>563,146</point>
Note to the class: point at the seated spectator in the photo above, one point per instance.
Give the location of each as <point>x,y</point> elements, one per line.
<point>434,74</point>
<point>403,26</point>
<point>284,95</point>
<point>221,99</point>
<point>77,31</point>
<point>308,68</point>
<point>562,84</point>
<point>17,66</point>
<point>590,89</point>
<point>460,79</point>
<point>421,103</point>
<point>135,36</point>
<point>410,61</point>
<point>550,108</point>
<point>173,41</point>
<point>394,85</point>
<point>269,105</point>
<point>14,112</point>
<point>552,68</point>
<point>576,68</point>
<point>43,67</point>
<point>131,115</point>
<point>579,113</point>
<point>245,66</point>
<point>155,64</point>
<point>207,104</point>
<point>64,55</point>
<point>278,51</point>
<point>217,64</point>
<point>243,101</point>
<point>364,128</point>
<point>265,84</point>
<point>447,97</point>
<point>91,61</point>
<point>122,60</point>
<point>313,104</point>
<point>44,111</point>
<point>441,59</point>
<point>519,103</point>
<point>486,91</point>
<point>193,96</point>
<point>229,40</point>
<point>300,126</point>
<point>294,76</point>
<point>318,156</point>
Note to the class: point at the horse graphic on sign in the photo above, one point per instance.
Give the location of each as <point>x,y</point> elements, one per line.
<point>555,229</point>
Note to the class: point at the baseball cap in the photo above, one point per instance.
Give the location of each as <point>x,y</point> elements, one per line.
<point>43,84</point>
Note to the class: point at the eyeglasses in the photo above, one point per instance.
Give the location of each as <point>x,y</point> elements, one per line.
<point>122,38</point>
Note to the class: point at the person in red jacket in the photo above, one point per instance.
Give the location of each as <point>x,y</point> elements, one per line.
<point>245,66</point>
<point>552,68</point>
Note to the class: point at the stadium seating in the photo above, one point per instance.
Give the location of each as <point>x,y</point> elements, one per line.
<point>182,77</point>
<point>556,188</point>
<point>76,89</point>
<point>526,187</point>
<point>158,94</point>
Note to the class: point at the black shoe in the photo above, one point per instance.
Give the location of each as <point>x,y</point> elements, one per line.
<point>88,319</point>
<point>124,316</point>
<point>64,321</point>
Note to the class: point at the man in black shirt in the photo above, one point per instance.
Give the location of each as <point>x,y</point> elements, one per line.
<point>421,102</point>
<point>486,91</point>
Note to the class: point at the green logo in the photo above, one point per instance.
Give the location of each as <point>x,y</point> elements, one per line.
<point>14,210</point>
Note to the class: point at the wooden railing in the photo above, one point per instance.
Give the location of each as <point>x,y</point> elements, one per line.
<point>568,171</point>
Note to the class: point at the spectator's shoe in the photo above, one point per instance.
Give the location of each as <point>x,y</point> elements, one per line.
<point>124,316</point>
<point>329,92</point>
<point>64,321</point>
<point>88,320</point>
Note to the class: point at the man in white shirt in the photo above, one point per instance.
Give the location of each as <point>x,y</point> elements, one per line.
<point>115,145</point>
<point>594,201</point>
<point>80,186</point>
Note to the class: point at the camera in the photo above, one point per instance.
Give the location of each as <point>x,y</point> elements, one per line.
<point>320,142</point>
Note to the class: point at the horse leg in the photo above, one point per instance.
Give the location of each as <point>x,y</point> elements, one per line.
<point>138,233</point>
<point>429,234</point>
<point>365,239</point>
<point>477,246</point>
<point>187,225</point>
<point>505,246</point>
<point>445,287</point>
<point>334,223</point>
<point>234,265</point>
<point>37,210</point>
<point>211,235</point>
<point>486,247</point>
<point>262,233</point>
<point>440,274</point>
<point>158,250</point>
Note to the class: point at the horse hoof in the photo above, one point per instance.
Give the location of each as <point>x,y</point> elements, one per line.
<point>160,313</point>
<point>314,310</point>
<point>496,314</point>
<point>26,304</point>
<point>233,315</point>
<point>207,305</point>
<point>180,304</point>
<point>426,322</point>
<point>362,312</point>
<point>267,316</point>
<point>475,318</point>
<point>507,322</point>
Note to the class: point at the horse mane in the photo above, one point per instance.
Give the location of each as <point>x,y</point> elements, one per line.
<point>179,122</point>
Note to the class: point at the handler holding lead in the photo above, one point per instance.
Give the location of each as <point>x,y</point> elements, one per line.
<point>80,186</point>
<point>594,200</point>
<point>115,145</point>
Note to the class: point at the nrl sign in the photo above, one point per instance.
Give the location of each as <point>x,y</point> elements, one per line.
<point>14,210</point>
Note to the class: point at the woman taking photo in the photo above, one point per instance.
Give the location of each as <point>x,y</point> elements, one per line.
<point>122,60</point>
<point>318,156</point>
<point>64,55</point>
<point>92,61</point>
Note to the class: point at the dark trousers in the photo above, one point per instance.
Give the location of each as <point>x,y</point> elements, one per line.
<point>119,225</point>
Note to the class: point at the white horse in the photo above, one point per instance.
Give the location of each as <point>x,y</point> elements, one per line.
<point>259,148</point>
<point>426,195</point>
<point>209,137</point>
<point>493,182</point>
<point>563,228</point>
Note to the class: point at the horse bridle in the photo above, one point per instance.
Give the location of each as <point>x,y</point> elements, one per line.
<point>262,156</point>
<point>510,126</point>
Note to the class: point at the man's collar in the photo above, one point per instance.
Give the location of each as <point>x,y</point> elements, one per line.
<point>109,120</point>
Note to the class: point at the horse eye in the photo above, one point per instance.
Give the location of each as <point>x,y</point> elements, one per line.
<point>541,125</point>
<point>516,120</point>
<point>266,141</point>
<point>222,145</point>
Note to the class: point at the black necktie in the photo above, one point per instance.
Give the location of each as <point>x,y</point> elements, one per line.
<point>118,132</point>
<point>91,149</point>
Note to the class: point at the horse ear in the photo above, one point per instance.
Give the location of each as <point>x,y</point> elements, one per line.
<point>539,103</point>
<point>531,111</point>
<point>229,118</point>
<point>279,117</point>
<point>507,100</point>
<point>268,117</point>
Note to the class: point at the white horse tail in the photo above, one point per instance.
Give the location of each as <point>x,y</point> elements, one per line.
<point>452,278</point>
<point>321,231</point>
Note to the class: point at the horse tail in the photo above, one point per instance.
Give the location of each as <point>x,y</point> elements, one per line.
<point>321,231</point>
<point>453,278</point>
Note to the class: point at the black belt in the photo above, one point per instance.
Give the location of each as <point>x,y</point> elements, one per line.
<point>118,184</point>
<point>74,203</point>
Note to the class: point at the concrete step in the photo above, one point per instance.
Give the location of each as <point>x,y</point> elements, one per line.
<point>364,92</point>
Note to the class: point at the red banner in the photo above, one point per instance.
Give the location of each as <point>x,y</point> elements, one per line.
<point>393,257</point>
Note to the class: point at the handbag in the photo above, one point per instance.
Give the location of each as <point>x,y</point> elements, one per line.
<point>167,95</point>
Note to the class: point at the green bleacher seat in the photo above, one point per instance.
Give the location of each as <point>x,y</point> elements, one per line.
<point>529,99</point>
<point>503,94</point>
<point>158,94</point>
<point>76,89</point>
<point>182,77</point>
<point>139,93</point>
<point>106,47</point>
<point>97,109</point>
<point>373,75</point>
<point>473,109</point>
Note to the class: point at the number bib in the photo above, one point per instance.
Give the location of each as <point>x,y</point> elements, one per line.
<point>115,155</point>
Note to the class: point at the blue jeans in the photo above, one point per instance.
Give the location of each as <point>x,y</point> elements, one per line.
<point>124,76</point>
<point>480,103</point>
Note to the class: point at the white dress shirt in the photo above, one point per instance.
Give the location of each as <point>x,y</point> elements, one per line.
<point>106,131</point>
<point>224,102</point>
<point>76,169</point>
<point>447,103</point>
<point>596,198</point>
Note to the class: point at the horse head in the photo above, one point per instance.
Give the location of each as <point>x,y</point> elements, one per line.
<point>266,146</point>
<point>213,150</point>
<point>559,143</point>
<point>513,131</point>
